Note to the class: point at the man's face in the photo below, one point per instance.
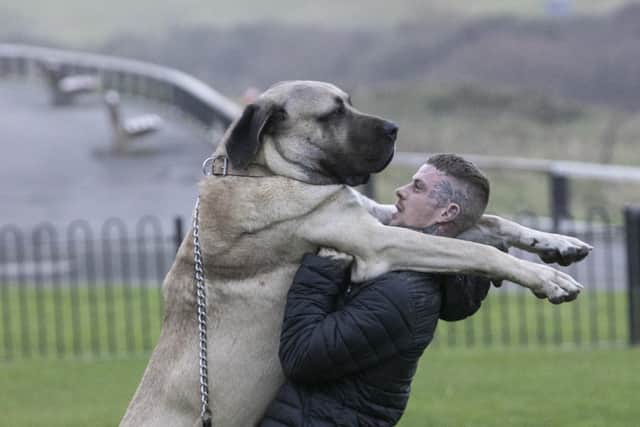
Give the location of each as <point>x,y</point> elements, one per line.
<point>423,202</point>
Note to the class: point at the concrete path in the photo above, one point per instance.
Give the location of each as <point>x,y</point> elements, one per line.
<point>55,165</point>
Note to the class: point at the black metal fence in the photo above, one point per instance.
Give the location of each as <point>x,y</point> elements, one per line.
<point>82,290</point>
<point>86,290</point>
<point>632,223</point>
<point>512,316</point>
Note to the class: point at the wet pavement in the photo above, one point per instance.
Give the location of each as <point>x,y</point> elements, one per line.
<point>56,165</point>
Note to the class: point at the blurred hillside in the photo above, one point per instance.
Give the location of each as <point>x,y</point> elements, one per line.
<point>590,59</point>
<point>78,22</point>
<point>587,58</point>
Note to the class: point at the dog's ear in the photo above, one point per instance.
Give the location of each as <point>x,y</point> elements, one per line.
<point>245,137</point>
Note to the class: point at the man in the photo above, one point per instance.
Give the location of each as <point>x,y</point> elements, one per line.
<point>350,351</point>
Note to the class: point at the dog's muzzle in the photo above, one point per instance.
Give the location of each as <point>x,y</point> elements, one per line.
<point>390,130</point>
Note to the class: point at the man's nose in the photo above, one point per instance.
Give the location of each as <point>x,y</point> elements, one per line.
<point>400,192</point>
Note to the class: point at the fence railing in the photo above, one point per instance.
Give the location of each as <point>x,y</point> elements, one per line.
<point>632,223</point>
<point>96,291</point>
<point>129,77</point>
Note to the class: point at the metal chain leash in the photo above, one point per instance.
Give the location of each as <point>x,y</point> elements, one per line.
<point>201,309</point>
<point>201,294</point>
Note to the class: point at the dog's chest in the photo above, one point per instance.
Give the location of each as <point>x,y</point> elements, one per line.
<point>253,223</point>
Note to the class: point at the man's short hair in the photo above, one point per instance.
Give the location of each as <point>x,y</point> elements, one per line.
<point>473,196</point>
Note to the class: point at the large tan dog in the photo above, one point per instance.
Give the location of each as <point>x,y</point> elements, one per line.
<point>299,143</point>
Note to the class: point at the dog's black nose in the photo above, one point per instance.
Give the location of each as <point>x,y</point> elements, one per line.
<point>391,130</point>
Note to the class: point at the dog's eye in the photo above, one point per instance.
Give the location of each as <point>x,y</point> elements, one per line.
<point>336,112</point>
<point>280,115</point>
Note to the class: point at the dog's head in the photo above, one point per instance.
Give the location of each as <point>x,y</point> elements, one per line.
<point>310,131</point>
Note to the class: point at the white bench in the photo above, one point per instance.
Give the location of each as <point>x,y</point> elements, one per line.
<point>64,87</point>
<point>127,130</point>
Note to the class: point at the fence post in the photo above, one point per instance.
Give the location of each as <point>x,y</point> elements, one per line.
<point>178,228</point>
<point>632,227</point>
<point>560,196</point>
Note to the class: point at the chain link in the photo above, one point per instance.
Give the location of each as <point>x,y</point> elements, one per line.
<point>201,309</point>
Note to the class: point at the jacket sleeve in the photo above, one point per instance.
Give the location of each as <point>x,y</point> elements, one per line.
<point>320,342</point>
<point>462,295</point>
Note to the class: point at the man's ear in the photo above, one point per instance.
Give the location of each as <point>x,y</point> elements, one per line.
<point>451,212</point>
<point>246,135</point>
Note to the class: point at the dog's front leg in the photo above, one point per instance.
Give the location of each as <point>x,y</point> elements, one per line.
<point>347,227</point>
<point>382,213</point>
<point>550,247</point>
<point>504,234</point>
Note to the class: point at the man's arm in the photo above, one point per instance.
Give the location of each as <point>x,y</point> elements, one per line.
<point>462,295</point>
<point>321,342</point>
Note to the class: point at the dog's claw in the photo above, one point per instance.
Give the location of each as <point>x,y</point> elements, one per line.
<point>496,282</point>
<point>539,295</point>
<point>571,297</point>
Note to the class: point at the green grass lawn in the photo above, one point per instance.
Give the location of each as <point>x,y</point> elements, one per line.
<point>526,388</point>
<point>452,388</point>
<point>67,393</point>
<point>519,362</point>
<point>119,320</point>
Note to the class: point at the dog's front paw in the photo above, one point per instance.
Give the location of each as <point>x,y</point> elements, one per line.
<point>338,257</point>
<point>557,248</point>
<point>556,286</point>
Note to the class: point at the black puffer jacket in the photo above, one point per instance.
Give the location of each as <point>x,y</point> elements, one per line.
<point>350,352</point>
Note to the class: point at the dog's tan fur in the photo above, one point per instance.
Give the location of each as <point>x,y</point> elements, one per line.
<point>254,232</point>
